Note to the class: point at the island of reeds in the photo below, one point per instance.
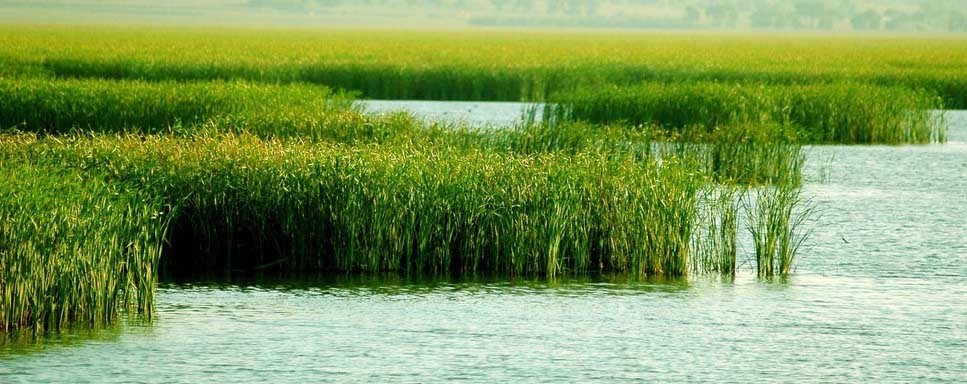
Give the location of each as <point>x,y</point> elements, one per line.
<point>131,155</point>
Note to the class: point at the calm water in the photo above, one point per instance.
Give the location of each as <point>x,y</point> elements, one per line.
<point>880,296</point>
<point>474,113</point>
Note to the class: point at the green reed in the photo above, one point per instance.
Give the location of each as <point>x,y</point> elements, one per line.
<point>716,238</point>
<point>229,204</point>
<point>398,208</point>
<point>777,218</point>
<point>480,65</point>
<point>309,112</point>
<point>746,154</point>
<point>38,104</point>
<point>838,113</point>
<point>73,250</point>
<point>239,178</point>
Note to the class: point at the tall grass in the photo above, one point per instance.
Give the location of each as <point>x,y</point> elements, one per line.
<point>476,65</point>
<point>73,250</point>
<point>308,112</point>
<point>241,205</point>
<point>744,154</point>
<point>221,161</point>
<point>777,219</point>
<point>716,238</point>
<point>37,104</point>
<point>841,113</point>
<point>316,207</point>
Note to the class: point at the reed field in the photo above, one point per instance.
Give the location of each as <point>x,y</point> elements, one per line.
<point>301,111</point>
<point>37,104</point>
<point>841,113</point>
<point>243,205</point>
<point>235,204</point>
<point>363,202</point>
<point>133,154</point>
<point>481,64</point>
<point>378,209</point>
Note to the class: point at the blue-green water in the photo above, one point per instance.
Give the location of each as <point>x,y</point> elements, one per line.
<point>880,296</point>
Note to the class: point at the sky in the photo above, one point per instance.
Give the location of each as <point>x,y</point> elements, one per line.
<point>911,16</point>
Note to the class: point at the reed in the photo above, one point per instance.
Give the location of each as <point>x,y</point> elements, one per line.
<point>747,154</point>
<point>840,113</point>
<point>243,202</point>
<point>481,65</point>
<point>38,104</point>
<point>222,160</point>
<point>231,205</point>
<point>307,112</point>
<point>540,137</point>
<point>716,238</point>
<point>777,219</point>
<point>73,250</point>
<point>744,154</point>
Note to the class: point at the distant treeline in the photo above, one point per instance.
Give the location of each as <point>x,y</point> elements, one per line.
<point>834,15</point>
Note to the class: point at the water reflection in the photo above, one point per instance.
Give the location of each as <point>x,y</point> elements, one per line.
<point>396,284</point>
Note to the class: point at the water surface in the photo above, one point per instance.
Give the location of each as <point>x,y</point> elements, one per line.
<point>474,113</point>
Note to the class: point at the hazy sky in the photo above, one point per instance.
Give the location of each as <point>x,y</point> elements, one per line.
<point>820,15</point>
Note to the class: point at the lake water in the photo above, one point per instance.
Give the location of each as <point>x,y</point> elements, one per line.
<point>473,113</point>
<point>880,295</point>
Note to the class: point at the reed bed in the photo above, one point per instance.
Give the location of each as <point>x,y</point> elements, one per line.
<point>481,65</point>
<point>315,207</point>
<point>841,113</point>
<point>307,112</point>
<point>224,157</point>
<point>743,154</point>
<point>51,106</point>
<point>73,250</point>
<point>230,204</point>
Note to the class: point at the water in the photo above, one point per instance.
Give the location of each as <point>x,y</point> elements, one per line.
<point>880,296</point>
<point>473,113</point>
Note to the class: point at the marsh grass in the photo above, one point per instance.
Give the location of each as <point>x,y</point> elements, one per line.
<point>237,205</point>
<point>837,113</point>
<point>747,154</point>
<point>478,65</point>
<point>123,180</point>
<point>304,112</point>
<point>716,239</point>
<point>55,106</point>
<point>398,208</point>
<point>744,154</point>
<point>777,218</point>
<point>73,250</point>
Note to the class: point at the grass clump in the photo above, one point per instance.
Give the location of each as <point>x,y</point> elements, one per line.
<point>73,250</point>
<point>242,202</point>
<point>776,219</point>
<point>239,205</point>
<point>745,154</point>
<point>52,106</point>
<point>716,238</point>
<point>839,113</point>
<point>742,154</point>
<point>480,65</point>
